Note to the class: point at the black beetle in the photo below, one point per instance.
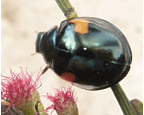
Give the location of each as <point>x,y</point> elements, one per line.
<point>90,52</point>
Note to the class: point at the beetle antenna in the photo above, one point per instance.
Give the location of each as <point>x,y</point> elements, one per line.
<point>33,53</point>
<point>36,32</point>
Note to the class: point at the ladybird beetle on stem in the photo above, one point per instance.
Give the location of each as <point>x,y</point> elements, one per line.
<point>90,52</point>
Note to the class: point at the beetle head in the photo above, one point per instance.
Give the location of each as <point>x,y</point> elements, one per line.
<point>45,43</point>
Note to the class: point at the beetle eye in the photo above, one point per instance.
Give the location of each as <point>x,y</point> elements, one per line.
<point>38,41</point>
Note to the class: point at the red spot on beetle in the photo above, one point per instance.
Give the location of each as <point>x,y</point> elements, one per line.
<point>81,25</point>
<point>68,76</point>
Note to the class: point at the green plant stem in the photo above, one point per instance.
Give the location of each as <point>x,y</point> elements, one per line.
<point>67,9</point>
<point>123,100</point>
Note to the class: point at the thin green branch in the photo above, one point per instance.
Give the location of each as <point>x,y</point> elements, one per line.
<point>67,9</point>
<point>123,100</point>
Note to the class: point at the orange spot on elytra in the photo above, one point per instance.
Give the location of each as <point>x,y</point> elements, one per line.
<point>68,76</point>
<point>81,25</point>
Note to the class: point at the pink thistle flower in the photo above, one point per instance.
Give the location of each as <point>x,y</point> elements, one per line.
<point>19,87</point>
<point>64,101</point>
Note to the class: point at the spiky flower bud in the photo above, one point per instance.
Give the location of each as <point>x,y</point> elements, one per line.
<point>64,101</point>
<point>21,91</point>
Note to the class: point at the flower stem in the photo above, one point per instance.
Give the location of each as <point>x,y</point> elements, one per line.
<point>67,9</point>
<point>122,100</point>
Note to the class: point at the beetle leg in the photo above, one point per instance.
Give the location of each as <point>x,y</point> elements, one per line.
<point>45,69</point>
